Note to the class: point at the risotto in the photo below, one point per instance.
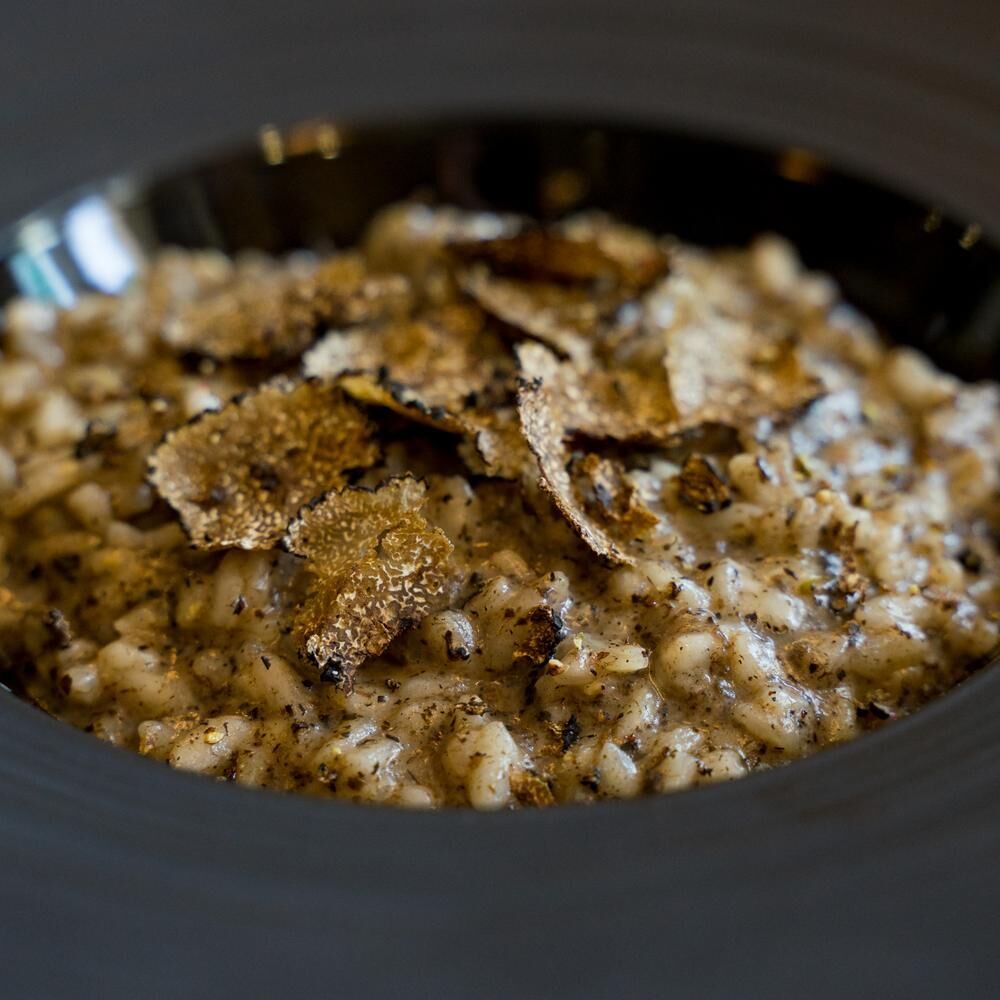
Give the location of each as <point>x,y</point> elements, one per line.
<point>487,513</point>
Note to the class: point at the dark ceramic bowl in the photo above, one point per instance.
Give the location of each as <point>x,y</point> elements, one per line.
<point>846,872</point>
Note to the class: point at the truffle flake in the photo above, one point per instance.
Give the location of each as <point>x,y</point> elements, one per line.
<point>431,370</point>
<point>539,632</point>
<point>611,496</point>
<point>702,487</point>
<point>412,238</point>
<point>560,285</point>
<point>236,476</point>
<point>588,248</point>
<point>343,292</point>
<point>401,399</point>
<point>566,319</point>
<point>277,314</point>
<point>375,567</point>
<point>622,405</point>
<point>638,256</point>
<point>725,373</point>
<point>495,445</point>
<point>543,430</point>
<point>536,254</point>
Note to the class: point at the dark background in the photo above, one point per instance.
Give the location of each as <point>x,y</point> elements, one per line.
<point>868,872</point>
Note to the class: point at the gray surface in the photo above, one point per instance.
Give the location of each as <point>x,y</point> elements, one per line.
<point>869,871</point>
<point>907,89</point>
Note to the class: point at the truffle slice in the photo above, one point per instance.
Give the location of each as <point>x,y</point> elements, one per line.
<point>560,285</point>
<point>543,429</point>
<point>622,405</point>
<point>435,370</point>
<point>277,313</point>
<point>242,320</point>
<point>238,475</point>
<point>172,279</point>
<point>590,248</point>
<point>725,373</point>
<point>375,566</point>
<point>495,445</point>
<point>566,319</point>
<point>536,254</point>
<point>343,292</point>
<point>637,254</point>
<point>446,361</point>
<point>401,399</point>
<point>412,238</point>
<point>445,343</point>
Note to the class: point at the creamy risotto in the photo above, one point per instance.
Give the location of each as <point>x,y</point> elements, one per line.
<point>486,513</point>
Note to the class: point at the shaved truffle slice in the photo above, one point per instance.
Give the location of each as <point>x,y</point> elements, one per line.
<point>543,430</point>
<point>401,399</point>
<point>277,313</point>
<point>411,238</point>
<point>331,528</point>
<point>566,319</point>
<point>495,445</point>
<point>590,248</point>
<point>540,255</point>
<point>725,373</point>
<point>375,567</point>
<point>559,286</point>
<point>343,292</point>
<point>446,358</point>
<point>444,342</point>
<point>411,370</point>
<point>243,320</point>
<point>622,405</point>
<point>637,254</point>
<point>175,277</point>
<point>238,475</point>
<point>433,370</point>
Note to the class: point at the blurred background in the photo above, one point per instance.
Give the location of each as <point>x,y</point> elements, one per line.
<point>888,87</point>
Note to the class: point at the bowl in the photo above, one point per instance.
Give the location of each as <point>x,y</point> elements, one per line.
<point>141,872</point>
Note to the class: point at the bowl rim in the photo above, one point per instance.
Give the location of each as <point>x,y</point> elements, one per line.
<point>142,820</point>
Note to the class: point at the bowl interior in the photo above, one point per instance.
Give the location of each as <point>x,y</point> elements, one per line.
<point>925,279</point>
<point>769,876</point>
